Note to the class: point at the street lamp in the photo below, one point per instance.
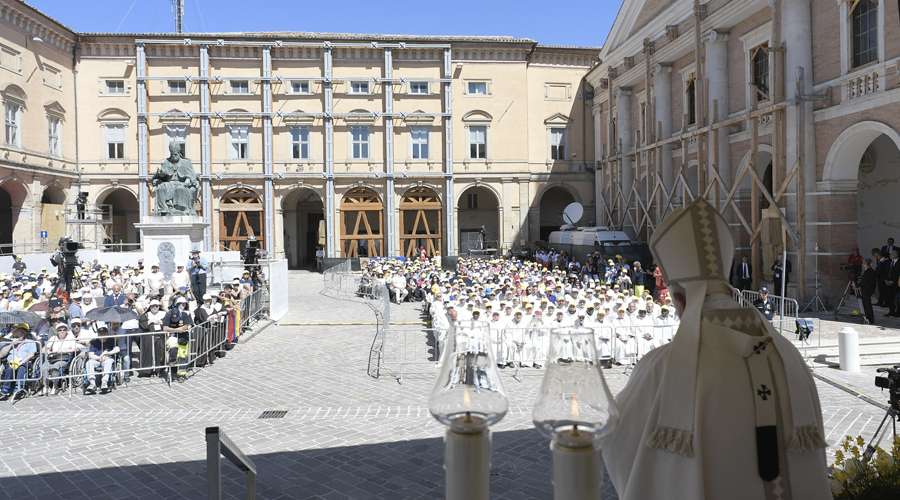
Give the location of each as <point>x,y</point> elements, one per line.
<point>468,398</point>
<point>574,408</point>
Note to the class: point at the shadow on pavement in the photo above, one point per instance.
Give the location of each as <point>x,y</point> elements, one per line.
<point>393,470</point>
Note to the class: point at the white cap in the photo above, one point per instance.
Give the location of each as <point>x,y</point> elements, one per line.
<point>181,300</point>
<point>154,302</point>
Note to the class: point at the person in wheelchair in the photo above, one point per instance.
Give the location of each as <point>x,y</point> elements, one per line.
<point>101,355</point>
<point>18,354</point>
<point>60,349</point>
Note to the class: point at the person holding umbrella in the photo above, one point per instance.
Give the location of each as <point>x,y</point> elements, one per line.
<point>18,354</point>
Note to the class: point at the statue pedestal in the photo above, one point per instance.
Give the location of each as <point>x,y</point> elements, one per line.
<point>168,240</point>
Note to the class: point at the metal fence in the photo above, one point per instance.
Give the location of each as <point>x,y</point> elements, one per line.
<point>138,353</point>
<point>787,310</point>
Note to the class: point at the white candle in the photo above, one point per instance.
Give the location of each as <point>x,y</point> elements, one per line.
<point>467,459</point>
<point>576,466</point>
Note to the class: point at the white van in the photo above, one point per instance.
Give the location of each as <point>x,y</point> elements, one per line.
<point>583,241</point>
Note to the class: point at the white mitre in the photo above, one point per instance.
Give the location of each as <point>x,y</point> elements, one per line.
<point>656,452</point>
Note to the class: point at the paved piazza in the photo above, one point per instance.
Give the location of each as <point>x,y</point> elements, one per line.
<point>345,435</point>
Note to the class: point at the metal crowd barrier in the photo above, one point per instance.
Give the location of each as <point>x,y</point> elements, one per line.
<point>748,298</point>
<point>206,341</point>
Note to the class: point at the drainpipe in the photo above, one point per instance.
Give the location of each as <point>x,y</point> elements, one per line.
<point>75,50</point>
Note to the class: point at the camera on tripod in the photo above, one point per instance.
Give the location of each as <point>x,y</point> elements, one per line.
<point>891,382</point>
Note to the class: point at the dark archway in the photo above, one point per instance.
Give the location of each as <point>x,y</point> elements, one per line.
<point>553,202</point>
<point>6,222</point>
<point>120,212</point>
<point>876,210</point>
<point>53,214</point>
<point>303,222</point>
<point>478,207</point>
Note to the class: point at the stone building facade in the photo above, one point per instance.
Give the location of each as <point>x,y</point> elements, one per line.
<point>784,113</point>
<point>367,145</point>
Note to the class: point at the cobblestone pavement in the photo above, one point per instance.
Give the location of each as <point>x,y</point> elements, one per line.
<point>345,434</point>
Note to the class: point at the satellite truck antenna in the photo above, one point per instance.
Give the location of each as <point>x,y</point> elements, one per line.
<point>178,8</point>
<point>573,213</point>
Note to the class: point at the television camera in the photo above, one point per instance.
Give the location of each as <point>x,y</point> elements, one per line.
<point>65,259</point>
<point>890,381</point>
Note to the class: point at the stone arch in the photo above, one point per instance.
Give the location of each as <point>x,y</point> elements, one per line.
<point>303,225</point>
<point>113,114</point>
<point>421,221</point>
<point>13,91</point>
<point>477,115</point>
<point>551,202</point>
<point>241,216</point>
<point>119,211</point>
<point>842,161</point>
<point>53,194</point>
<point>362,222</point>
<point>13,194</point>
<point>482,208</point>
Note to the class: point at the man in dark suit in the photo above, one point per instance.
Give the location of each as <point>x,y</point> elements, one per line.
<point>743,274</point>
<point>867,283</point>
<point>889,247</point>
<point>765,304</point>
<point>115,298</point>
<point>893,280</point>
<point>880,266</point>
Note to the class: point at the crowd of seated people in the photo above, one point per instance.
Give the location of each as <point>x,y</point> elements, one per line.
<point>156,340</point>
<point>522,300</point>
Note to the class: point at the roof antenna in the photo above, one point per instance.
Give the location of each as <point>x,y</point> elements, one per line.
<point>178,8</point>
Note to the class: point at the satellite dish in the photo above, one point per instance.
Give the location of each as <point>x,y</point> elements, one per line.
<point>572,213</point>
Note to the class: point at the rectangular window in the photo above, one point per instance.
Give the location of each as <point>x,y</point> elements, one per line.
<point>115,141</point>
<point>115,87</point>
<point>178,135</point>
<point>472,201</point>
<point>478,142</point>
<point>300,87</point>
<point>300,143</point>
<point>240,86</point>
<point>556,91</point>
<point>10,59</point>
<point>557,143</point>
<point>419,139</point>
<point>54,141</point>
<point>177,87</point>
<point>13,115</point>
<point>418,88</point>
<point>759,64</point>
<point>359,139</point>
<point>476,88</point>
<point>52,76</point>
<point>864,23</point>
<point>359,87</point>
<point>240,142</point>
<point>691,101</point>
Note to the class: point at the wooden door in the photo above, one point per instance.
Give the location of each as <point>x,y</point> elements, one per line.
<point>241,216</point>
<point>420,222</point>
<point>362,224</point>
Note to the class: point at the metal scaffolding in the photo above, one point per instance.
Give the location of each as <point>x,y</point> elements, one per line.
<point>636,189</point>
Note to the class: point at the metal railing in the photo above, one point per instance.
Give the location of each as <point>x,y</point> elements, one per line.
<point>218,444</point>
<point>790,311</point>
<point>165,351</point>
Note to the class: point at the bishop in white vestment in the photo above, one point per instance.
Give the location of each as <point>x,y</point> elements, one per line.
<point>727,410</point>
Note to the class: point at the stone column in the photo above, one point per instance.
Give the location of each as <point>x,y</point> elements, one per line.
<point>599,140</point>
<point>390,219</point>
<point>450,219</point>
<point>796,29</point>
<point>269,188</point>
<point>205,150</point>
<point>626,139</point>
<point>331,241</point>
<point>662,89</point>
<point>142,135</point>
<point>717,75</point>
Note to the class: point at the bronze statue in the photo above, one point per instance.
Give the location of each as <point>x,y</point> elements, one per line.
<point>175,185</point>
